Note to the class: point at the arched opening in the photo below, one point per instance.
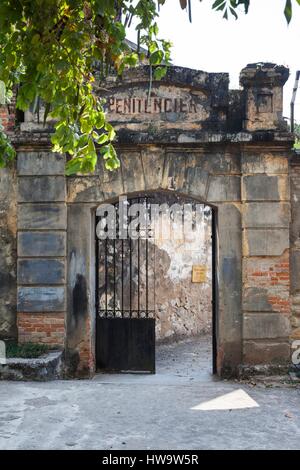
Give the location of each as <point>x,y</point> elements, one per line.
<point>156,279</point>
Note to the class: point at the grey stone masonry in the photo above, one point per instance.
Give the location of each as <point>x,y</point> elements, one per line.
<point>41,299</point>
<point>42,224</point>
<point>295,246</point>
<point>266,220</point>
<point>41,271</point>
<point>46,189</point>
<point>193,139</point>
<point>48,243</point>
<point>40,163</point>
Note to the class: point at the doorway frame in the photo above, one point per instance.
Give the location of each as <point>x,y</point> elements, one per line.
<point>214,267</point>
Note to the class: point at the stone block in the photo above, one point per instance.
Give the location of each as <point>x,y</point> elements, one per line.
<point>42,216</point>
<point>265,188</point>
<point>266,299</point>
<point>7,190</point>
<point>230,275</point>
<point>197,180</point>
<point>269,163</point>
<point>255,299</point>
<point>133,171</point>
<point>40,163</point>
<point>41,189</point>
<point>221,163</point>
<point>266,326</point>
<point>224,188</point>
<point>85,189</point>
<point>229,229</point>
<point>174,171</point>
<point>41,271</point>
<point>41,244</point>
<point>265,242</point>
<point>266,352</point>
<point>266,214</point>
<point>41,299</point>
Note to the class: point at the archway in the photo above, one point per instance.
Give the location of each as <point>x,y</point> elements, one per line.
<point>225,154</point>
<point>188,173</point>
<point>156,278</point>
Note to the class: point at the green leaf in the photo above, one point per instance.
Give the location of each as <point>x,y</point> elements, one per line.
<point>86,126</point>
<point>100,120</point>
<point>233,12</point>
<point>288,10</point>
<point>102,139</point>
<point>111,132</point>
<point>73,166</point>
<point>35,39</point>
<point>156,58</point>
<point>218,4</point>
<point>160,72</point>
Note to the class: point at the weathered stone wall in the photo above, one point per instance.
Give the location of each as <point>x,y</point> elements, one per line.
<point>8,254</point>
<point>183,308</point>
<point>42,224</point>
<point>8,233</point>
<point>263,87</point>
<point>209,174</point>
<point>155,275</point>
<point>228,150</point>
<point>266,277</point>
<point>295,246</point>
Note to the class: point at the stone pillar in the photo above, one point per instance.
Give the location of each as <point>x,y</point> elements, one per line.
<point>266,278</point>
<point>295,246</point>
<point>263,90</point>
<point>42,224</point>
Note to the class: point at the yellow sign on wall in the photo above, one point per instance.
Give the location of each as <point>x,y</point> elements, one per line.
<point>199,273</point>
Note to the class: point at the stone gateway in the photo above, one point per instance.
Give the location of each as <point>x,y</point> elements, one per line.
<point>193,139</point>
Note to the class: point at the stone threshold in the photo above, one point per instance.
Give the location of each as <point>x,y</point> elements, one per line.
<point>46,367</point>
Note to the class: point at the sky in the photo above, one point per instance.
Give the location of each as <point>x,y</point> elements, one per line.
<point>213,44</point>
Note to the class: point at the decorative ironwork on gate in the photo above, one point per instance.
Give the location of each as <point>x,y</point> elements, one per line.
<point>126,266</point>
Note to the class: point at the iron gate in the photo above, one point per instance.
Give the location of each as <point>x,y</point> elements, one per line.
<point>125,255</point>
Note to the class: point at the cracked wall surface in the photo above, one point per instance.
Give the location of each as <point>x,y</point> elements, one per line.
<point>194,138</point>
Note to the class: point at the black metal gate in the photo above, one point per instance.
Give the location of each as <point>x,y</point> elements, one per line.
<point>125,255</point>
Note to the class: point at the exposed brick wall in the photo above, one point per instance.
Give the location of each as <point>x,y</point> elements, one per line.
<point>8,115</point>
<point>274,274</point>
<point>41,328</point>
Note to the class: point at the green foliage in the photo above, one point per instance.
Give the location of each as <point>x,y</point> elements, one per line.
<point>60,51</point>
<point>26,350</point>
<point>7,152</point>
<point>230,7</point>
<point>288,10</point>
<point>53,49</point>
<point>297,135</point>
